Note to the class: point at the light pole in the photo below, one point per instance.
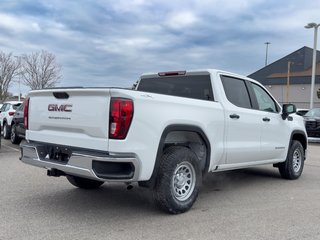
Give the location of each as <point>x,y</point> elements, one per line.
<point>267,46</point>
<point>18,59</point>
<point>315,26</point>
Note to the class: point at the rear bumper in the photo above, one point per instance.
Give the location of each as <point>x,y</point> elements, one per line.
<point>97,165</point>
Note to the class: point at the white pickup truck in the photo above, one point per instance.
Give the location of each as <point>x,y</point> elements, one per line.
<point>165,134</point>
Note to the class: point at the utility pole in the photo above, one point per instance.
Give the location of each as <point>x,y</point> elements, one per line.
<point>267,48</point>
<point>313,76</point>
<point>288,81</point>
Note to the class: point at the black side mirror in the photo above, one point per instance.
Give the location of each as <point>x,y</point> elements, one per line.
<point>288,109</point>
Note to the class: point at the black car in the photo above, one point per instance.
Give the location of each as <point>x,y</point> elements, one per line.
<point>312,121</point>
<point>17,127</point>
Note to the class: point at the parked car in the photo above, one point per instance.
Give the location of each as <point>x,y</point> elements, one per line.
<point>17,127</point>
<point>302,111</point>
<point>312,122</point>
<point>6,114</point>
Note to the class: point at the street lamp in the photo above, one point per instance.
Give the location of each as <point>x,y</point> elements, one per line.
<point>18,59</point>
<point>315,26</point>
<point>267,45</point>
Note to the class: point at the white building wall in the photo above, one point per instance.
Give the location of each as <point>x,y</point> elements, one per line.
<point>299,94</point>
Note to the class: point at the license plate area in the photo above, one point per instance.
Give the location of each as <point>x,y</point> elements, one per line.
<point>58,154</point>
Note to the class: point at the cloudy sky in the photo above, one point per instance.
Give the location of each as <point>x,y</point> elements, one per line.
<point>111,42</point>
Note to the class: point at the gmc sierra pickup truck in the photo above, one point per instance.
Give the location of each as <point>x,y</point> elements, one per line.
<point>165,134</point>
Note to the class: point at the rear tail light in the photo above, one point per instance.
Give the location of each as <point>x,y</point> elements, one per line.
<point>121,113</point>
<point>11,113</point>
<point>26,113</point>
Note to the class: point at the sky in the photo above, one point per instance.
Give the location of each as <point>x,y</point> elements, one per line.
<point>103,43</point>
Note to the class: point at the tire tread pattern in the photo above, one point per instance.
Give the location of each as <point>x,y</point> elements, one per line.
<point>286,168</point>
<point>163,195</point>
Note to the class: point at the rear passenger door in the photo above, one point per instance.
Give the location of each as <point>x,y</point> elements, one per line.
<point>243,124</point>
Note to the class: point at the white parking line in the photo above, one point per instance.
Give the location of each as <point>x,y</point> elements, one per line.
<point>14,149</point>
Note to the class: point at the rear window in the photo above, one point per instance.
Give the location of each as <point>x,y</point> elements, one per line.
<point>15,106</point>
<point>197,87</point>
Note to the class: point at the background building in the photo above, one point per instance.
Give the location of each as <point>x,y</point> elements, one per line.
<point>295,89</point>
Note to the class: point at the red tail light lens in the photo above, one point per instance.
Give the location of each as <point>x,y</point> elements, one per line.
<point>121,113</point>
<point>11,113</point>
<point>26,113</point>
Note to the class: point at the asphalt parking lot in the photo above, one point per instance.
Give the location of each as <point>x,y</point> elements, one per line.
<point>253,203</point>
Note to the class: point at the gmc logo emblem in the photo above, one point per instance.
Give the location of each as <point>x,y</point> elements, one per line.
<point>60,108</point>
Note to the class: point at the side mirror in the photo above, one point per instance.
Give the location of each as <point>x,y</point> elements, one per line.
<point>288,109</point>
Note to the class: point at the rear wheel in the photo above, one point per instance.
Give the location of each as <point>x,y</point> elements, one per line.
<point>293,166</point>
<point>84,183</point>
<point>178,181</point>
<point>15,139</point>
<point>6,131</point>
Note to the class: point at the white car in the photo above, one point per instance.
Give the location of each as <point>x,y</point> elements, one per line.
<point>6,114</point>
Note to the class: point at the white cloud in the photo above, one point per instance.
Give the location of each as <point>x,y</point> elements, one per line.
<point>17,24</point>
<point>178,20</point>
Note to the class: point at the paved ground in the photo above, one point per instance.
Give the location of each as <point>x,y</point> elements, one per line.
<point>247,204</point>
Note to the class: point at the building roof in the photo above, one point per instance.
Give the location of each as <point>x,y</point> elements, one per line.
<point>276,73</point>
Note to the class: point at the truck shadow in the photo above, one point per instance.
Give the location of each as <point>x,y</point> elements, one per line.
<point>114,200</point>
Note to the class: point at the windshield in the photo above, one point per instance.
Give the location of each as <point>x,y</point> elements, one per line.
<point>313,113</point>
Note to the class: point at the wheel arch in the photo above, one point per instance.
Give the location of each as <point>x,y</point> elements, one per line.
<point>187,131</point>
<point>301,137</point>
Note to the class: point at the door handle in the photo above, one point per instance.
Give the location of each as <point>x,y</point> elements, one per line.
<point>234,116</point>
<point>265,119</point>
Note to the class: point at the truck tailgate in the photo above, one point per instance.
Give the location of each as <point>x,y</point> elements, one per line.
<point>72,117</point>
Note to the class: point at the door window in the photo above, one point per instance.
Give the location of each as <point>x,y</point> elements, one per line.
<point>236,91</point>
<point>265,102</point>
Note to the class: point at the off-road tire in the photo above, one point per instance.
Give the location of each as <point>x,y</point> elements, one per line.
<point>293,166</point>
<point>178,181</point>
<point>84,183</point>
<point>6,131</point>
<point>14,138</point>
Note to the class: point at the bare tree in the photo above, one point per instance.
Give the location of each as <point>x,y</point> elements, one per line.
<point>40,70</point>
<point>9,69</point>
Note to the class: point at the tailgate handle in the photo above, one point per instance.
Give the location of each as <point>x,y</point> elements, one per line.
<point>61,95</point>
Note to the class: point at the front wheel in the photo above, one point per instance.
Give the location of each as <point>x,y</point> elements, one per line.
<point>84,183</point>
<point>178,180</point>
<point>293,166</point>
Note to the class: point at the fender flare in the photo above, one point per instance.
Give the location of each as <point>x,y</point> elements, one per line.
<point>299,132</point>
<point>166,131</point>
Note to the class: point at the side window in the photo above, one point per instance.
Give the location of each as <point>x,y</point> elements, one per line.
<point>265,102</point>
<point>7,107</point>
<point>236,91</point>
<point>3,107</point>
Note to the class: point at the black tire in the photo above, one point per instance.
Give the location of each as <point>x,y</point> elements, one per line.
<point>6,131</point>
<point>293,166</point>
<point>84,183</point>
<point>178,181</point>
<point>15,139</point>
